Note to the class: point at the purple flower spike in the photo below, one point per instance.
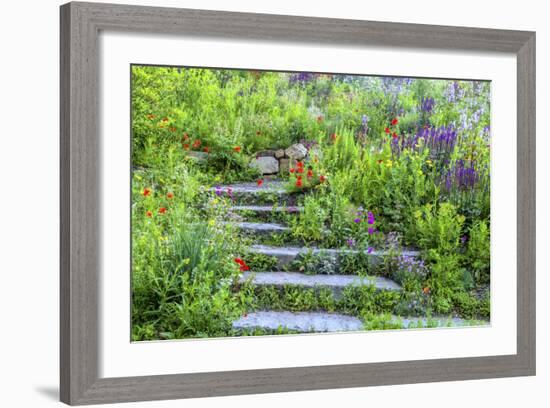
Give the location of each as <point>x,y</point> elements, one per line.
<point>369,250</point>
<point>218,190</point>
<point>350,242</point>
<point>371,230</point>
<point>357,220</point>
<point>370,217</point>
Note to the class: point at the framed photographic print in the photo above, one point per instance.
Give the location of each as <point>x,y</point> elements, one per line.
<point>260,203</point>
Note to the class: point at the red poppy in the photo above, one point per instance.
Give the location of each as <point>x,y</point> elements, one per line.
<point>299,177</point>
<point>310,173</point>
<point>387,130</point>
<point>260,182</point>
<point>239,261</point>
<point>170,195</point>
<point>292,170</point>
<point>299,164</point>
<point>237,149</point>
<point>334,136</point>
<point>300,170</point>
<point>206,149</point>
<point>146,192</point>
<point>322,178</point>
<point>186,146</point>
<point>394,122</point>
<point>162,210</point>
<point>172,129</point>
<point>196,143</point>
<point>149,214</point>
<point>394,135</point>
<point>299,183</point>
<point>244,267</point>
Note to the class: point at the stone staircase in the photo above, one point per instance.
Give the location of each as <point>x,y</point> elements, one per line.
<point>258,209</point>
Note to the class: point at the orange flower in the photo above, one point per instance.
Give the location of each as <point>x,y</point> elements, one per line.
<point>170,195</point>
<point>149,214</point>
<point>206,149</point>
<point>172,129</point>
<point>310,173</point>
<point>150,116</point>
<point>334,136</point>
<point>185,136</point>
<point>186,146</point>
<point>237,149</point>
<point>146,192</point>
<point>165,119</point>
<point>426,290</point>
<point>162,210</point>
<point>196,143</point>
<point>322,178</point>
<point>299,183</point>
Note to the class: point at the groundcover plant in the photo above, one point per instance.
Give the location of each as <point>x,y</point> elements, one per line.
<point>289,202</point>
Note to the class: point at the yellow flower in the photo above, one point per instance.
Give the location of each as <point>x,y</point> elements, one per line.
<point>429,163</point>
<point>389,163</point>
<point>212,223</point>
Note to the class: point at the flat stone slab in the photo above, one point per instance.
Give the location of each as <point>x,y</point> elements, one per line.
<point>260,227</point>
<point>263,209</point>
<point>336,283</point>
<point>286,255</point>
<point>304,322</point>
<point>269,186</point>
<point>413,322</point>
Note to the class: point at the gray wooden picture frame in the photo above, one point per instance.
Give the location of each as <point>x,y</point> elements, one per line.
<point>80,192</point>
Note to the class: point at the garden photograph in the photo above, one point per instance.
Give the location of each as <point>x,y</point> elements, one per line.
<point>283,203</point>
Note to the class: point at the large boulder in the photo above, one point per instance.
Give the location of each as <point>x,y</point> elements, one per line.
<point>279,154</point>
<point>265,164</point>
<point>297,151</point>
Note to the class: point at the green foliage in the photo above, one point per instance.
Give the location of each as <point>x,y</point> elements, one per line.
<point>310,224</point>
<point>479,250</point>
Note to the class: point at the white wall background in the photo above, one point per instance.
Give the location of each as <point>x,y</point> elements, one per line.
<point>29,202</point>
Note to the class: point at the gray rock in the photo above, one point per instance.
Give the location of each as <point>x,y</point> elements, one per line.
<point>297,151</point>
<point>335,283</point>
<point>284,166</point>
<point>266,164</point>
<point>261,227</point>
<point>265,153</point>
<point>286,255</point>
<point>304,322</point>
<point>279,154</point>
<point>198,156</point>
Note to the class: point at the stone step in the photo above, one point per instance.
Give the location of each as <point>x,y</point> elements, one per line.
<point>286,255</point>
<point>271,191</point>
<point>307,322</point>
<point>303,322</point>
<point>260,227</point>
<point>266,211</point>
<point>335,283</point>
<point>440,321</point>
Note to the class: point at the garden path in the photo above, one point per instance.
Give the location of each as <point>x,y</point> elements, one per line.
<point>259,209</point>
